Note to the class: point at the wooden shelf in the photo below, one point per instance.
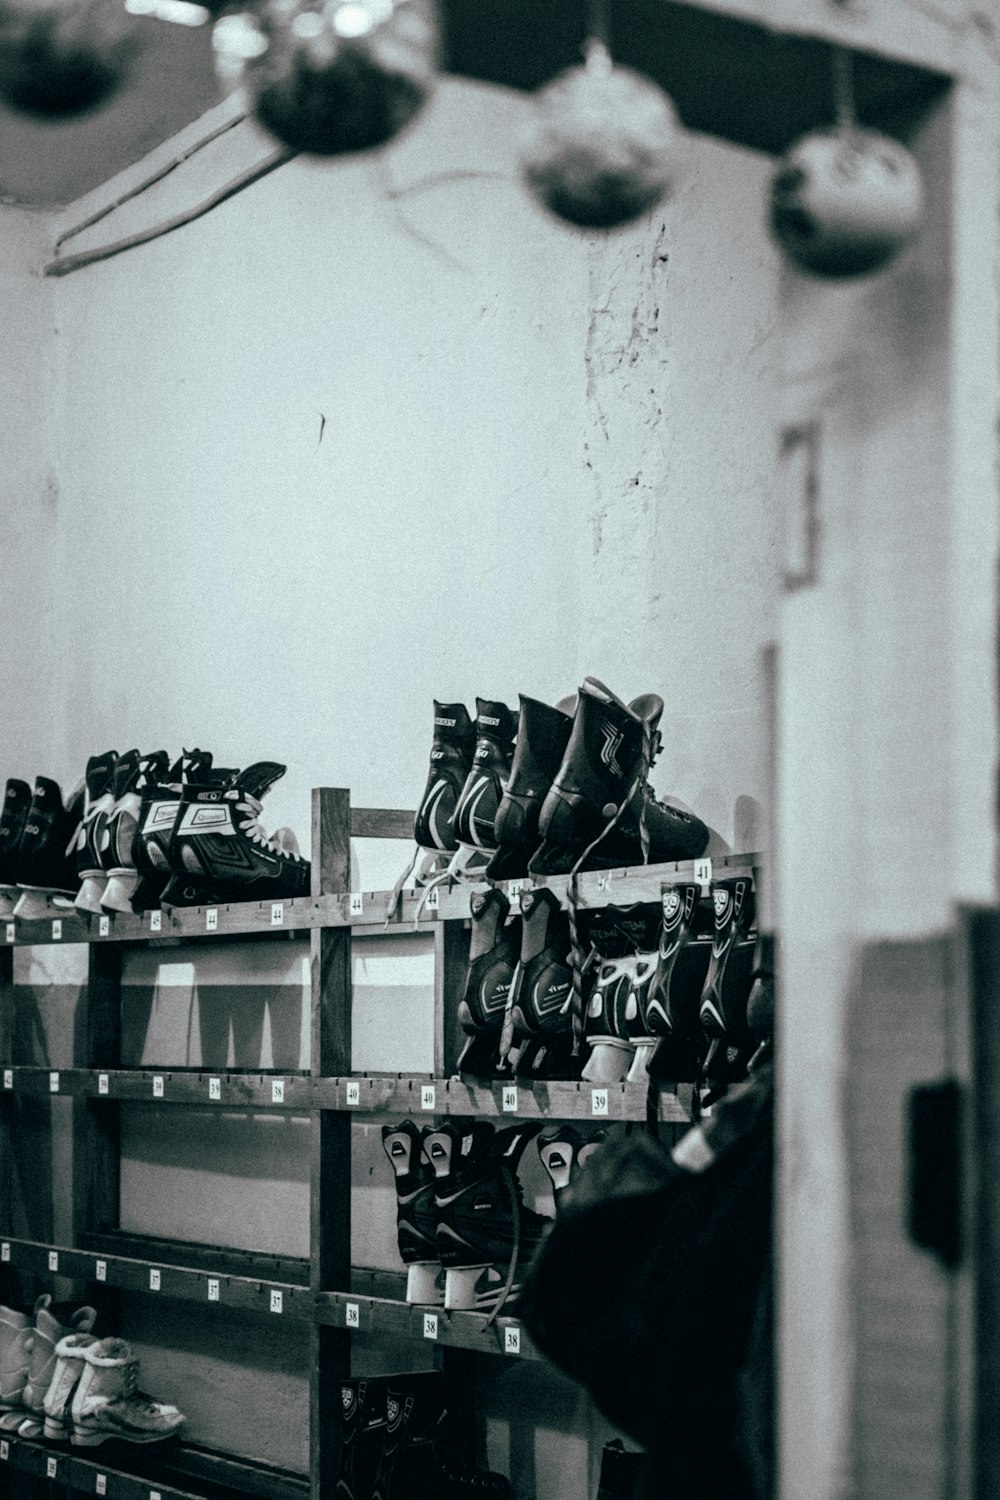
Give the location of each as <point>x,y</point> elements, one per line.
<point>170,1472</point>
<point>394,1318</point>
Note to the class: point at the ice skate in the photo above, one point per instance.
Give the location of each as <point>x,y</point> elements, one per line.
<point>563,1150</point>
<point>107,1402</point>
<point>156,819</point>
<point>98,799</point>
<point>134,775</point>
<point>723,1009</point>
<point>674,998</point>
<point>56,1405</point>
<point>479,799</point>
<point>485,1234</point>
<point>433,826</point>
<point>51,1324</point>
<point>537,1034</point>
<point>47,873</point>
<point>542,736</point>
<point>13,816</point>
<point>363,1432</point>
<point>416,1212</point>
<point>494,949</point>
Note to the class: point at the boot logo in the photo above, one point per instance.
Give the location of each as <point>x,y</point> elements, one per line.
<point>609,750</point>
<point>721,901</point>
<point>671,903</point>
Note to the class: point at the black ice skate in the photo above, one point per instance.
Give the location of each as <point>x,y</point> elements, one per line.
<point>416,1212</point>
<point>98,798</point>
<point>13,817</point>
<point>542,736</point>
<point>485,1234</point>
<point>493,953</point>
<point>476,809</point>
<point>417,1461</point>
<point>159,810</point>
<point>723,1010</point>
<point>563,1150</point>
<point>537,1034</point>
<point>363,1422</point>
<point>134,775</point>
<point>451,761</point>
<point>219,852</point>
<point>46,867</point>
<point>667,1035</point>
<point>599,812</point>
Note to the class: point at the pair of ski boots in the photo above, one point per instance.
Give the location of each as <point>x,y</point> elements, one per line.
<point>58,1379</point>
<point>38,834</point>
<point>394,1445</point>
<point>463,1229</point>
<point>679,1013</point>
<point>563,789</point>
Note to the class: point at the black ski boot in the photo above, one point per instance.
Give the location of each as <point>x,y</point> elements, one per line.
<point>476,810</point>
<point>98,798</point>
<point>13,817</point>
<point>485,1234</point>
<point>46,867</point>
<point>363,1432</point>
<point>416,1212</point>
<point>723,1010</point>
<point>537,1034</point>
<point>493,954</point>
<point>219,852</point>
<point>542,736</point>
<point>599,812</point>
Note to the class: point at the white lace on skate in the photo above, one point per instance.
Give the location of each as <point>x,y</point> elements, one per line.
<point>282,842</point>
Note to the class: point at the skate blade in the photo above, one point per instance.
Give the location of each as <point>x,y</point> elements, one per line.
<point>476,1288</point>
<point>425,1282</point>
<point>38,906</point>
<point>89,896</point>
<point>608,1062</point>
<point>119,891</point>
<point>639,1071</point>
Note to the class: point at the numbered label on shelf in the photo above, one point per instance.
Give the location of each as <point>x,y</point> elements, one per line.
<point>212,919</point>
<point>53,1083</point>
<point>101,1270</point>
<point>215,1088</point>
<point>103,1083</point>
<point>56,929</point>
<point>213,1289</point>
<point>427,1096</point>
<point>277,1301</point>
<point>155,1495</point>
<point>512,1339</point>
<point>433,902</point>
<point>4,1450</point>
<point>158,1086</point>
<point>604,883</point>
<point>356,905</point>
<point>156,921</point>
<point>8,1078</point>
<point>53,1260</point>
<point>430,1325</point>
<point>5,1250</point>
<point>277,914</point>
<point>598,1101</point>
<point>514,889</point>
<point>352,1315</point>
<point>104,927</point>
<point>508,1099</point>
<point>51,1468</point>
<point>703,871</point>
<point>353,1092</point>
<point>277,1091</point>
<point>100,1484</point>
<point>10,932</point>
<point>154,1278</point>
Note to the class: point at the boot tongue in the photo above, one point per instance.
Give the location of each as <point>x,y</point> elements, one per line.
<point>452,723</point>
<point>648,707</point>
<point>125,773</point>
<point>495,721</point>
<point>256,779</point>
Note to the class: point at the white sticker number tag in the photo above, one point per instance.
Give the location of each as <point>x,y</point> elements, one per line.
<point>433,902</point>
<point>352,1315</point>
<point>277,1301</point>
<point>53,1260</point>
<point>212,919</point>
<point>215,1088</point>
<point>604,883</point>
<point>53,1083</point>
<point>356,905</point>
<point>4,1450</point>
<point>51,1468</point>
<point>430,1325</point>
<point>8,1078</point>
<point>156,921</point>
<point>158,1086</point>
<point>104,926</point>
<point>508,1099</point>
<point>353,1092</point>
<point>213,1289</point>
<point>101,1270</point>
<point>100,1484</point>
<point>427,1096</point>
<point>5,1250</point>
<point>57,929</point>
<point>512,1339</point>
<point>155,1495</point>
<point>154,1279</point>
<point>598,1101</point>
<point>514,889</point>
<point>103,1083</point>
<point>277,1091</point>
<point>277,914</point>
<point>10,932</point>
<point>703,871</point>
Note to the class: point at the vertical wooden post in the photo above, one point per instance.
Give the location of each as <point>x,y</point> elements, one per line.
<point>96,1137</point>
<point>451,955</point>
<point>330,1165</point>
